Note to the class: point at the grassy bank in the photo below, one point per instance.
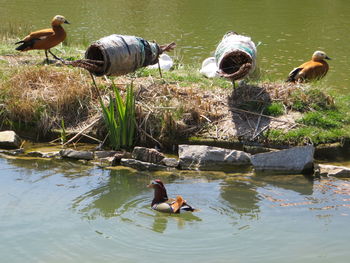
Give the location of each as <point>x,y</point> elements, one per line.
<point>182,105</point>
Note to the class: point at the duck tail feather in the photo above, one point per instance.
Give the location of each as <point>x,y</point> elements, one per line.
<point>25,44</point>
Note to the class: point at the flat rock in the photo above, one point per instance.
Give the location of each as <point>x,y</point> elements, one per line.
<point>210,158</point>
<point>147,155</point>
<point>13,152</point>
<point>79,155</point>
<point>43,154</point>
<point>170,162</point>
<point>9,140</point>
<point>104,154</point>
<point>290,161</point>
<point>142,166</point>
<point>332,170</point>
<point>113,160</point>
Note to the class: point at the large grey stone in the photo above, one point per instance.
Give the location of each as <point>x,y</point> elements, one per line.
<point>142,166</point>
<point>210,158</point>
<point>332,170</point>
<point>79,155</point>
<point>147,155</point>
<point>293,160</point>
<point>9,140</point>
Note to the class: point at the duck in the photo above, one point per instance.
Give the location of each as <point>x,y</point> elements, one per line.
<point>45,38</point>
<point>162,203</point>
<point>314,69</point>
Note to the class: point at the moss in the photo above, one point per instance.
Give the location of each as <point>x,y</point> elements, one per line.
<point>323,119</point>
<point>311,99</point>
<point>274,109</point>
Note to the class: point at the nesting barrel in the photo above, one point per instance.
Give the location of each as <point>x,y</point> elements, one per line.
<point>235,56</point>
<point>122,54</point>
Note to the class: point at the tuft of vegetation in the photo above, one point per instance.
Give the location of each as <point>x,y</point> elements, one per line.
<point>41,96</point>
<point>119,119</point>
<point>311,99</point>
<point>275,109</point>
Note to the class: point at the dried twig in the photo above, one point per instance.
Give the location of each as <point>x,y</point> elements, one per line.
<point>82,131</point>
<point>257,125</point>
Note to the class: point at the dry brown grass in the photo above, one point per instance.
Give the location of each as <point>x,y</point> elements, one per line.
<point>44,95</point>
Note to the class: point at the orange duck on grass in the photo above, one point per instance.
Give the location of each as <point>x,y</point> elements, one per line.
<point>314,69</point>
<point>45,38</point>
<point>161,202</point>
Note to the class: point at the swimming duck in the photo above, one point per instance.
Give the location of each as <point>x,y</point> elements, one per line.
<point>314,69</point>
<point>45,38</point>
<point>161,202</point>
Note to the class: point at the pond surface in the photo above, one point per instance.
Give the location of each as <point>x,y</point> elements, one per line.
<point>55,211</point>
<point>289,32</point>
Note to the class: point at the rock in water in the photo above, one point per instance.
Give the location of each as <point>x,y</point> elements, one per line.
<point>210,158</point>
<point>289,161</point>
<point>147,155</point>
<point>9,140</point>
<point>79,155</point>
<point>332,170</point>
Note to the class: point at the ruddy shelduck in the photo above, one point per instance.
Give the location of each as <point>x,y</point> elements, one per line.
<point>314,69</point>
<point>45,38</point>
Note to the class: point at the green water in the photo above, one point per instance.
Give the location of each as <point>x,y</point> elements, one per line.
<point>290,31</point>
<point>55,211</point>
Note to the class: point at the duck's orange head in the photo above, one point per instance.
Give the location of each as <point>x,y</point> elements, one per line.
<point>319,56</point>
<point>59,20</point>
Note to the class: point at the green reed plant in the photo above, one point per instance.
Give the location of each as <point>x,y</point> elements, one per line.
<point>120,118</point>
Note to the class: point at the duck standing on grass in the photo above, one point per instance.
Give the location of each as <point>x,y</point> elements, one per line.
<point>161,202</point>
<point>45,38</point>
<point>314,69</point>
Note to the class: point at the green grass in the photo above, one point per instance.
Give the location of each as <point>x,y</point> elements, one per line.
<point>311,99</point>
<point>185,76</point>
<point>275,109</point>
<point>316,126</point>
<point>307,134</point>
<point>324,119</point>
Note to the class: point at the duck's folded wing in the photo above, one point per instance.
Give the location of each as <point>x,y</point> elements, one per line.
<point>292,75</point>
<point>40,34</point>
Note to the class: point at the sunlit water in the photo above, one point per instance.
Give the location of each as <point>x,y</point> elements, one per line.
<point>289,32</point>
<point>68,212</point>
